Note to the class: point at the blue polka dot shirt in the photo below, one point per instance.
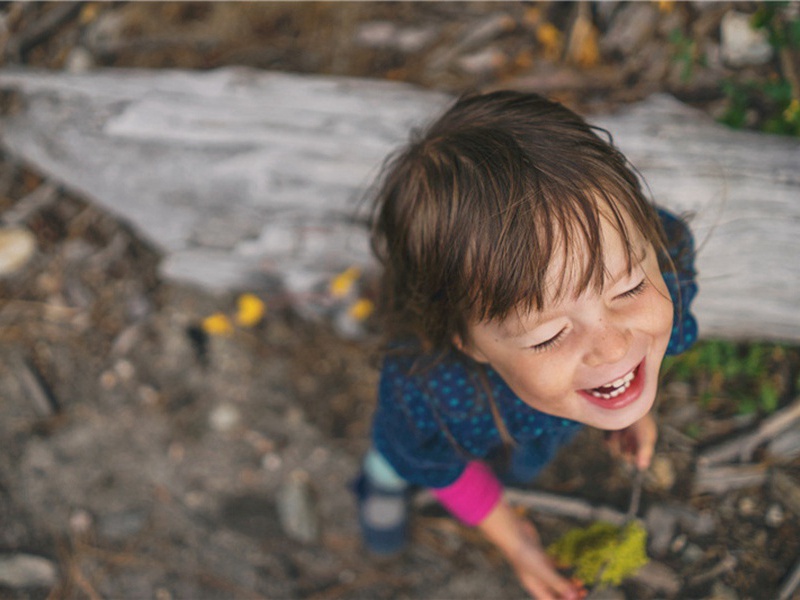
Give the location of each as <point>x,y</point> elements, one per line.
<point>433,417</point>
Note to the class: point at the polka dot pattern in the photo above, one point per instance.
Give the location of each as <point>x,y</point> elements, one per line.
<point>433,416</point>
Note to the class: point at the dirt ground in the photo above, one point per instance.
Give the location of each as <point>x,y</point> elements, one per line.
<point>144,458</point>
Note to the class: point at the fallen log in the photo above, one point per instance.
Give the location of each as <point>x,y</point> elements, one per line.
<point>247,179</point>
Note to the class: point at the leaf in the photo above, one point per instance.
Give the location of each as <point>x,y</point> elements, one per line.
<point>250,311</point>
<point>341,285</point>
<point>361,309</point>
<point>217,324</point>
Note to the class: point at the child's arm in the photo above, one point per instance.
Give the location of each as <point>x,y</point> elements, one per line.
<point>476,499</point>
<point>518,540</point>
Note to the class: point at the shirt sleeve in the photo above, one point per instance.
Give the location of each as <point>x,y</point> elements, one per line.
<point>410,435</point>
<point>681,282</point>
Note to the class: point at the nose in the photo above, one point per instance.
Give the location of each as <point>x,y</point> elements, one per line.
<point>609,344</point>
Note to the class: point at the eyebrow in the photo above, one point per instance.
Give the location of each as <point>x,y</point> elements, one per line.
<point>507,332</point>
<point>638,259</point>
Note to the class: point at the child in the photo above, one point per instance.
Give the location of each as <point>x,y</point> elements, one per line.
<point>528,287</point>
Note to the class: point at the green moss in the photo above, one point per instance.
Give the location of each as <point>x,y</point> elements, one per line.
<point>603,553</point>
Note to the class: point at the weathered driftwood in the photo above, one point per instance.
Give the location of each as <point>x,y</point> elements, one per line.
<point>246,178</point>
<point>741,448</point>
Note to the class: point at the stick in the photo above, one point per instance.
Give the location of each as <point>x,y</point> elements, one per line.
<point>791,584</point>
<point>741,448</point>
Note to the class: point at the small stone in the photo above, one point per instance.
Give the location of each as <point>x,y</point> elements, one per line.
<point>483,62</point>
<point>692,553</point>
<point>661,524</point>
<point>774,516</point>
<point>80,521</point>
<point>296,509</point>
<point>26,571</point>
<point>720,591</point>
<point>224,417</point>
<point>747,507</point>
<point>125,370</point>
<point>679,543</point>
<point>17,245</point>
<point>121,526</point>
<point>271,461</point>
<point>79,60</point>
<point>741,44</point>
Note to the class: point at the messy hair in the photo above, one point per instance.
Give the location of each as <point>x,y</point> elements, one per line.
<point>470,215</point>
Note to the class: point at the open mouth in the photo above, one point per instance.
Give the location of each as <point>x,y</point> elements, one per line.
<point>615,388</point>
<point>619,392</point>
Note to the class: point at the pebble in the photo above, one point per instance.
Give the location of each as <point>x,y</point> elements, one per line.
<point>774,516</point>
<point>224,417</point>
<point>720,591</point>
<point>26,571</point>
<point>747,507</point>
<point>17,245</point>
<point>296,509</point>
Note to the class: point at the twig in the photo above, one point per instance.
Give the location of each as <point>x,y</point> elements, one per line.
<point>742,447</point>
<point>719,480</point>
<point>792,583</point>
<point>553,504</point>
<point>42,196</point>
<point>43,26</point>
<point>42,397</point>
<point>728,563</point>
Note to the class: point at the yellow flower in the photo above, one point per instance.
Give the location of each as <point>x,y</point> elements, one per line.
<point>342,284</point>
<point>666,6</point>
<point>551,40</point>
<point>251,310</point>
<point>217,324</point>
<point>361,309</point>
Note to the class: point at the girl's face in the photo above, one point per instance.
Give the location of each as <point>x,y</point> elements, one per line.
<point>593,358</point>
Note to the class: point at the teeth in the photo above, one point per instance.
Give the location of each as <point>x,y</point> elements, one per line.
<point>621,384</point>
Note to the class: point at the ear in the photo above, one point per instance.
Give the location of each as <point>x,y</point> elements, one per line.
<point>469,349</point>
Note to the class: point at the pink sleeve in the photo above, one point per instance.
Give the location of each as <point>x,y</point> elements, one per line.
<point>473,495</point>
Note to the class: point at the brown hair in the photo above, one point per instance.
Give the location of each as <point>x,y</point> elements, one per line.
<point>469,216</point>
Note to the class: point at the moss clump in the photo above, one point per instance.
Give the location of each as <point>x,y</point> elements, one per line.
<point>603,553</point>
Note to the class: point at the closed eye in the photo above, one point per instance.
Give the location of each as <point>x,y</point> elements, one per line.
<point>551,343</point>
<point>635,291</point>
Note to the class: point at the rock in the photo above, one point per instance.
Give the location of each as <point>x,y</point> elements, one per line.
<point>79,60</point>
<point>296,509</point>
<point>120,526</point>
<point>741,44</point>
<point>385,35</point>
<point>661,524</point>
<point>720,591</point>
<point>659,577</point>
<point>774,516</point>
<point>224,417</point>
<point>16,248</point>
<point>483,62</point>
<point>26,571</point>
<point>635,24</point>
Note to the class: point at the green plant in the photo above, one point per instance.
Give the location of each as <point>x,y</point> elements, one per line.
<point>740,376</point>
<point>775,100</point>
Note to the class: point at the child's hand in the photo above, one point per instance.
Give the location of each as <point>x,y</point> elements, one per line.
<point>635,444</point>
<point>519,542</point>
<point>537,573</point>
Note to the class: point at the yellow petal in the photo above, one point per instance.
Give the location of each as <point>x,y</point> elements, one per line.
<point>217,324</point>
<point>361,309</point>
<point>343,282</point>
<point>251,310</point>
<point>551,40</point>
